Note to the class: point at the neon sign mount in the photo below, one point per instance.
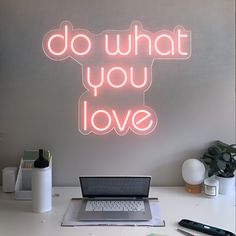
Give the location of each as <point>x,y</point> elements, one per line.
<point>117,62</point>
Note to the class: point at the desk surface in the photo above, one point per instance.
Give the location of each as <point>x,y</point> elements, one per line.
<point>16,217</point>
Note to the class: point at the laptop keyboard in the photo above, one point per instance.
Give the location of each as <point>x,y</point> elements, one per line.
<point>114,205</point>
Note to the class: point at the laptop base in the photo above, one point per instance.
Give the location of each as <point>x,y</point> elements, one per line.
<point>84,215</point>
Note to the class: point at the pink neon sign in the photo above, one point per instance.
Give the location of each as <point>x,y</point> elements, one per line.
<point>116,62</point>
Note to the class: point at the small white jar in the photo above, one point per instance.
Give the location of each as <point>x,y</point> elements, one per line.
<point>211,187</point>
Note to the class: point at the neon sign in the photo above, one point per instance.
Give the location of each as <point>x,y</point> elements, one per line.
<point>116,63</point>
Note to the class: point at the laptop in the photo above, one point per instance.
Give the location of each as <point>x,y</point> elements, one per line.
<point>115,198</point>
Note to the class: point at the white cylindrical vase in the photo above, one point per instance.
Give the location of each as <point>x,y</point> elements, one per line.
<point>226,185</point>
<point>42,189</point>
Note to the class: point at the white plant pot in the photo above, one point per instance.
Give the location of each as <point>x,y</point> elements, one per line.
<point>226,185</point>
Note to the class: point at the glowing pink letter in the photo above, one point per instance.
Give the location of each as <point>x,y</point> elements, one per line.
<point>117,51</point>
<point>169,38</point>
<point>179,42</point>
<point>142,121</point>
<point>80,38</point>
<point>92,85</point>
<point>132,78</point>
<point>141,36</point>
<point>58,36</point>
<point>121,127</point>
<point>109,79</point>
<point>93,119</point>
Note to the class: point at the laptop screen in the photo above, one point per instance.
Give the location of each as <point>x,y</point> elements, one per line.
<point>115,186</point>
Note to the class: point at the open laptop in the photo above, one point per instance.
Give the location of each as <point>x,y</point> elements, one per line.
<point>121,198</point>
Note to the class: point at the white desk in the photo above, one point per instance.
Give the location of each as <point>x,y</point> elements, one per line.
<point>16,217</point>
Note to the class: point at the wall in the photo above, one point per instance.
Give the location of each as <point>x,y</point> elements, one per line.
<point>193,99</point>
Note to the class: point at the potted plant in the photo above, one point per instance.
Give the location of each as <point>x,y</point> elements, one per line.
<point>220,160</point>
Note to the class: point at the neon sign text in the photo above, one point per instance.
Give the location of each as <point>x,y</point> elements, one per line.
<point>116,62</point>
<point>107,77</point>
<point>79,43</point>
<point>102,121</point>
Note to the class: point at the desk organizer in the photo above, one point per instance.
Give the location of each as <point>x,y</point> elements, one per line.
<point>23,188</point>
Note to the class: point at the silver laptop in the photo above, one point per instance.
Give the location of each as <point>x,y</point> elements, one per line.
<point>120,198</point>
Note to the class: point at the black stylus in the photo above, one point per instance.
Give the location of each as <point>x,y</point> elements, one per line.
<point>205,228</point>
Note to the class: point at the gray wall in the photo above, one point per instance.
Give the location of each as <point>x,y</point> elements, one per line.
<point>193,99</point>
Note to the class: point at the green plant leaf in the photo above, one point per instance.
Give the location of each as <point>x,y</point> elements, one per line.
<point>230,148</point>
<point>220,158</point>
<point>221,164</point>
<point>226,156</point>
<point>211,172</point>
<point>214,150</point>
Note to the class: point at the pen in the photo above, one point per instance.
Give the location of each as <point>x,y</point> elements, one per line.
<point>185,232</point>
